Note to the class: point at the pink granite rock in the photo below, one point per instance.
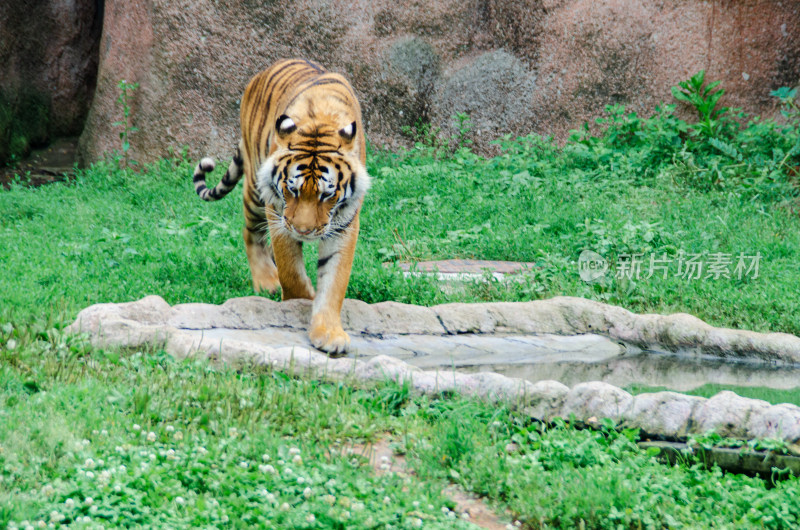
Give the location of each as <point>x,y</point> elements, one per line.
<point>537,65</point>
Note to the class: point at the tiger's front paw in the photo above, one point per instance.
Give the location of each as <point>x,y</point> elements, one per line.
<point>331,339</point>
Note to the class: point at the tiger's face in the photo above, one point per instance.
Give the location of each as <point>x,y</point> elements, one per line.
<point>314,179</point>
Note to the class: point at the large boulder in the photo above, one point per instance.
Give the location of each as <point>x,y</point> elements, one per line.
<point>535,65</point>
<point>48,66</point>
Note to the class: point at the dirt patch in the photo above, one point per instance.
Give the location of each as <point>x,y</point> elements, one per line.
<point>383,460</point>
<point>54,163</point>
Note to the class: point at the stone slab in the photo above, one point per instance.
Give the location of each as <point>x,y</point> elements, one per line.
<point>513,352</point>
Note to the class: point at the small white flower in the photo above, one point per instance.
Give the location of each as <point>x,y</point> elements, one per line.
<point>122,468</point>
<point>387,500</point>
<point>169,428</point>
<point>415,504</point>
<point>117,488</point>
<point>151,436</point>
<point>151,456</point>
<point>297,460</point>
<point>385,467</point>
<point>178,435</point>
<point>358,506</point>
<point>101,462</point>
<point>56,516</point>
<point>416,522</point>
<point>329,499</point>
<point>136,427</point>
<point>294,451</point>
<point>41,524</point>
<point>266,468</point>
<point>170,454</point>
<point>69,503</point>
<point>307,493</point>
<point>89,474</point>
<point>465,515</point>
<point>385,459</point>
<point>288,471</point>
<point>88,501</point>
<point>104,433</point>
<point>89,463</point>
<point>301,480</point>
<point>244,465</point>
<point>265,457</point>
<point>95,432</point>
<point>105,475</point>
<point>285,506</point>
<point>179,500</point>
<point>270,497</point>
<point>202,450</point>
<point>233,431</point>
<point>119,449</point>
<point>445,510</point>
<point>93,509</point>
<point>311,518</point>
<point>224,518</point>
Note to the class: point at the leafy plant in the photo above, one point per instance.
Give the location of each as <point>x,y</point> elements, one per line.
<point>704,99</point>
<point>123,100</point>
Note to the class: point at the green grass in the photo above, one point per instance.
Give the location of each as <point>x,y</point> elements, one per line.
<point>771,395</point>
<point>116,235</point>
<point>655,186</point>
<point>140,439</point>
<point>137,438</point>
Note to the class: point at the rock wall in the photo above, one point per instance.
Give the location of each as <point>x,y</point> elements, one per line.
<point>514,66</point>
<point>48,49</point>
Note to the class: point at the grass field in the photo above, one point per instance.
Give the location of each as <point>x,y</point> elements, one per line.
<point>135,438</point>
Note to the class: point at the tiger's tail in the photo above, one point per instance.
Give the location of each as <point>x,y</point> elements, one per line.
<point>224,186</point>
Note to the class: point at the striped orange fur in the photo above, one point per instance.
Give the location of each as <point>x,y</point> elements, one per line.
<point>302,154</point>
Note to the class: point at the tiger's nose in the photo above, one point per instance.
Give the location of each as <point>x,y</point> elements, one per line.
<point>303,232</point>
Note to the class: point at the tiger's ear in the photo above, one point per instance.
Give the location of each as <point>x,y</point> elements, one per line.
<point>349,132</point>
<point>285,125</point>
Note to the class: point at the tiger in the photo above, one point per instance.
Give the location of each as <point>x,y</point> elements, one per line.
<point>302,152</point>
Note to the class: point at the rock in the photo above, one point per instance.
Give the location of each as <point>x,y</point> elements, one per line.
<point>727,414</point>
<point>204,316</point>
<point>545,399</point>
<point>50,50</point>
<point>396,318</point>
<point>545,67</point>
<point>358,316</point>
<point>596,400</point>
<point>493,89</point>
<point>777,421</point>
<point>258,330</point>
<point>662,413</point>
<point>465,318</point>
<point>256,312</point>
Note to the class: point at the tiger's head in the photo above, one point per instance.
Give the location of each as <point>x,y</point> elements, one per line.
<point>314,179</point>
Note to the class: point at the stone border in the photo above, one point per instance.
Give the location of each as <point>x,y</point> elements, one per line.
<point>151,321</point>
